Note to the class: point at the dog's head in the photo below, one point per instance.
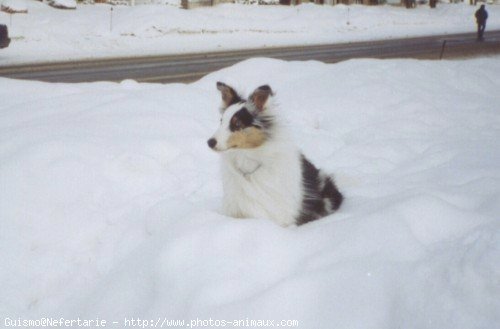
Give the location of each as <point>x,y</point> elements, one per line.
<point>245,124</point>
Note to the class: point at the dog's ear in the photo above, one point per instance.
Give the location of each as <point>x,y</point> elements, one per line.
<point>260,96</point>
<point>229,95</point>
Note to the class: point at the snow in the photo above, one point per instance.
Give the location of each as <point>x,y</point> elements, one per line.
<point>14,6</point>
<point>93,31</point>
<point>109,200</point>
<point>63,4</point>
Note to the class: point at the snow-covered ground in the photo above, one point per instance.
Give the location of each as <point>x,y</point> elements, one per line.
<point>90,31</point>
<point>109,200</point>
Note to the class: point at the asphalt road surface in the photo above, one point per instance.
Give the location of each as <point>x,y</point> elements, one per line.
<point>190,67</point>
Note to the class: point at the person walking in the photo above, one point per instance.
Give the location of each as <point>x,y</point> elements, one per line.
<point>481,17</point>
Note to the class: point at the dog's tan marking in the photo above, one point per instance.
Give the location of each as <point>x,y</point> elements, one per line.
<point>247,138</point>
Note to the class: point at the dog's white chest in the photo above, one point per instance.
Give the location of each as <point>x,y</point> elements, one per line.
<point>246,167</point>
<point>267,188</point>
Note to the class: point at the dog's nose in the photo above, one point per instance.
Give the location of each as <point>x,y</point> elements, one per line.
<point>212,142</point>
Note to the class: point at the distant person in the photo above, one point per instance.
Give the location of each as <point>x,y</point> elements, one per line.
<point>481,17</point>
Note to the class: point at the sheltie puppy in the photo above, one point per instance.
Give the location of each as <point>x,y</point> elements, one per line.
<point>264,174</point>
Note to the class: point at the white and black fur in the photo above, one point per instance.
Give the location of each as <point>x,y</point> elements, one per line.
<point>264,174</point>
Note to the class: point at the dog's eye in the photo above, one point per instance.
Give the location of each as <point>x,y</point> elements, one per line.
<point>236,124</point>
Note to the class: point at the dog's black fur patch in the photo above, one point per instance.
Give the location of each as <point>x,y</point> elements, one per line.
<point>317,189</point>
<point>245,118</point>
<point>241,120</point>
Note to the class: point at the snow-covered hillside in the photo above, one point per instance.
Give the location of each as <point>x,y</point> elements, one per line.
<point>48,34</point>
<point>109,200</point>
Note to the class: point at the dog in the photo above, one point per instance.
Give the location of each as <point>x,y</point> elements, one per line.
<point>264,174</point>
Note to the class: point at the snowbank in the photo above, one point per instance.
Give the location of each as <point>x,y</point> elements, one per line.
<point>62,4</point>
<point>14,6</point>
<point>94,31</point>
<point>109,200</point>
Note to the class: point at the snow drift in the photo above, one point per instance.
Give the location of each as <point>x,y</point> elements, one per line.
<point>14,7</point>
<point>109,199</point>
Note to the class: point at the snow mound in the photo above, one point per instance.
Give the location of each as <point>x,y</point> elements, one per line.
<point>14,6</point>
<point>62,4</point>
<point>110,197</point>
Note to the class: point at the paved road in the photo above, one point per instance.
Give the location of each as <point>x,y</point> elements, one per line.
<point>185,68</point>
